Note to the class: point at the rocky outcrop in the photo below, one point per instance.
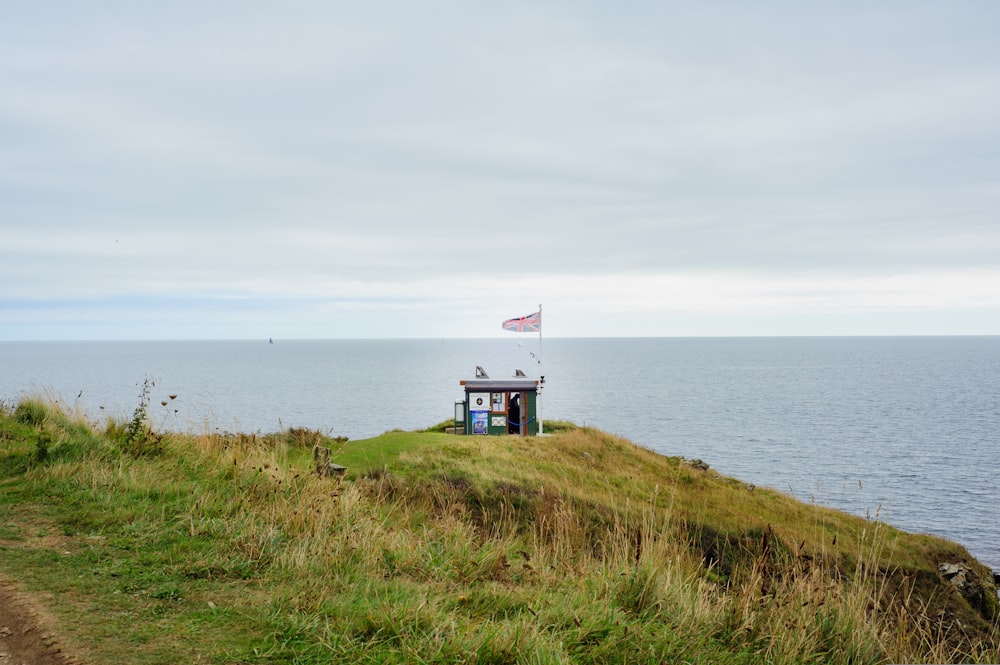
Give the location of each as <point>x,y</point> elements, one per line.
<point>979,588</point>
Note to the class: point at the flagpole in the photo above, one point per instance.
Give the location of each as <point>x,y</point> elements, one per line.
<point>541,373</point>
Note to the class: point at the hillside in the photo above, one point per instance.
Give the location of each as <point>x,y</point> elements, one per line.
<point>144,547</point>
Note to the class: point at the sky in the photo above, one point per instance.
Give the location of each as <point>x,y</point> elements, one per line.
<point>244,170</point>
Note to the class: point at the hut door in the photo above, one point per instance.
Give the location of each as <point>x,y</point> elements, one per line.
<point>515,414</point>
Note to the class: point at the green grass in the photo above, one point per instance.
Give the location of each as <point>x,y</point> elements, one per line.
<point>575,548</point>
<point>367,455</point>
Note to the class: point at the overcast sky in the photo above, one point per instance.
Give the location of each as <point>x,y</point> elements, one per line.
<point>195,170</point>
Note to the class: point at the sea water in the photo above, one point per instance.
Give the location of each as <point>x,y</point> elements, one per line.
<point>903,428</point>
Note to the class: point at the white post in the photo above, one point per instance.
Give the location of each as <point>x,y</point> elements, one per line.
<point>541,372</point>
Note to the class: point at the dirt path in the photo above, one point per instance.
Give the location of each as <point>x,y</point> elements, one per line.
<point>23,640</point>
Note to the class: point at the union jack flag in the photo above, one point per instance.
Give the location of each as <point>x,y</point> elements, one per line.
<point>529,323</point>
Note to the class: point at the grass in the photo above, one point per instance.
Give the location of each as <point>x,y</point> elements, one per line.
<point>579,547</point>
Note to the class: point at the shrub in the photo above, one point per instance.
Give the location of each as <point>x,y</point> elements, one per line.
<point>137,438</point>
<point>42,446</point>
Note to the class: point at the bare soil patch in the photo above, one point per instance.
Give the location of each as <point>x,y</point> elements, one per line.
<point>23,637</point>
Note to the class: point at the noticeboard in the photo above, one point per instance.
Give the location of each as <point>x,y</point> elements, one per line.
<point>479,420</point>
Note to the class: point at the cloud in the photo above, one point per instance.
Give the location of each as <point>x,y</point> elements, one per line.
<point>322,151</point>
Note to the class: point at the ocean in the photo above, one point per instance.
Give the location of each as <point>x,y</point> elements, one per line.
<point>906,429</point>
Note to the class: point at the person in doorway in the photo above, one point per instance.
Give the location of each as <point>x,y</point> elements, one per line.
<point>514,415</point>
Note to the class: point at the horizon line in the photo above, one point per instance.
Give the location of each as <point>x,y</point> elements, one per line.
<point>270,339</point>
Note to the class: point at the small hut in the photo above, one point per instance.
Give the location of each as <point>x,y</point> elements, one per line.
<point>499,406</point>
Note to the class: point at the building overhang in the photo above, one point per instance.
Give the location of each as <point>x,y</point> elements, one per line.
<point>499,385</point>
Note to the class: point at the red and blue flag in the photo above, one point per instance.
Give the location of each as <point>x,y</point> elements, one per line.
<point>529,323</point>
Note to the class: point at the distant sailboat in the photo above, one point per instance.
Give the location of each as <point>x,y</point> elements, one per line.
<point>270,340</point>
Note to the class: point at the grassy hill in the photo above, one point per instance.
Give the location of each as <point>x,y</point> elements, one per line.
<point>580,547</point>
